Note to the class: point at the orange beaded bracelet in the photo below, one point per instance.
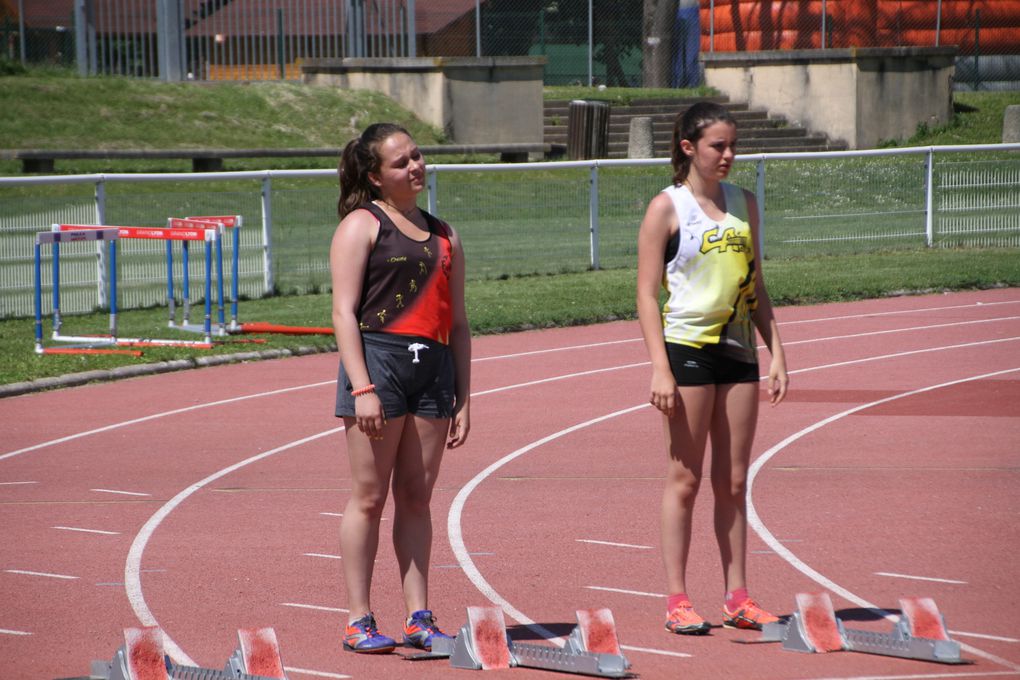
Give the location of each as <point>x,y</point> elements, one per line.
<point>367,389</point>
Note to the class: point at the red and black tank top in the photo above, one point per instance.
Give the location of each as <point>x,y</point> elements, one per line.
<point>406,290</point>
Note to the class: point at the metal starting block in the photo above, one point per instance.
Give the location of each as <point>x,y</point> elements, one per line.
<point>483,643</point>
<point>919,634</point>
<point>143,658</point>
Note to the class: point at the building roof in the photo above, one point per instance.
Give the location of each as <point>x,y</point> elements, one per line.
<point>247,17</point>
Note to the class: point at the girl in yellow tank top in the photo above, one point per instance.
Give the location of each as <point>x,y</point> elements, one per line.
<point>699,239</point>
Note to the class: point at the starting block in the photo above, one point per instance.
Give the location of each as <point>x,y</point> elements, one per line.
<point>143,658</point>
<point>483,644</point>
<point>919,634</point>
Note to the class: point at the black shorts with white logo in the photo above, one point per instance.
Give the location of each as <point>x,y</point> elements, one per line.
<point>708,365</point>
<point>410,374</point>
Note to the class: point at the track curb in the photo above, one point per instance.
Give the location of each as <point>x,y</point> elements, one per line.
<point>123,372</point>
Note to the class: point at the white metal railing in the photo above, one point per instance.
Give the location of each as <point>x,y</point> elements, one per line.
<point>978,198</point>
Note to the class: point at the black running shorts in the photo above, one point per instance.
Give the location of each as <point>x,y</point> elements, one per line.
<point>707,366</point>
<point>410,374</point>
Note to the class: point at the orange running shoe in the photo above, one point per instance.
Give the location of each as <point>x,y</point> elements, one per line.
<point>748,615</point>
<point>683,620</point>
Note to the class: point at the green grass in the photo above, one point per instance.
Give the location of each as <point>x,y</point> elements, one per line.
<point>520,303</point>
<point>977,119</point>
<point>525,272</point>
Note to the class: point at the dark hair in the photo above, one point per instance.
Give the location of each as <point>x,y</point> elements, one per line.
<point>689,125</point>
<point>360,157</point>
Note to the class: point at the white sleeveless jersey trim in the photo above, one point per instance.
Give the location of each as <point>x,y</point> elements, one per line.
<point>710,281</point>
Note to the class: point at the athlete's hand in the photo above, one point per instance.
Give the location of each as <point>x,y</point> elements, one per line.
<point>778,382</point>
<point>460,425</point>
<point>664,393</point>
<point>369,414</point>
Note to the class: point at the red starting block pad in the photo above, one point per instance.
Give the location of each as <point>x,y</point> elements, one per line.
<point>143,658</point>
<point>814,628</point>
<point>258,653</point>
<point>483,644</point>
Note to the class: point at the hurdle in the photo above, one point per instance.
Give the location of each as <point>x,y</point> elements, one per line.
<point>204,234</point>
<point>483,644</point>
<point>919,634</point>
<point>86,344</point>
<point>234,224</point>
<point>143,657</point>
<point>190,223</point>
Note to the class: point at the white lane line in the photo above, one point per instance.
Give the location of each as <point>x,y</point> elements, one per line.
<point>7,631</point>
<point>755,522</point>
<point>316,607</point>
<point>924,676</point>
<point>45,574</point>
<point>132,566</point>
<point>89,531</point>
<point>269,393</point>
<point>614,545</point>
<point>456,536</point>
<point>332,514</point>
<point>317,674</point>
<point>122,493</point>
<point>661,652</point>
<point>16,483</point>
<point>156,416</point>
<point>918,310</point>
<point>626,592</point>
<point>328,557</point>
<point>920,578</point>
<point>982,636</point>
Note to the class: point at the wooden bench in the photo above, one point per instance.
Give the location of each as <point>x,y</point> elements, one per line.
<point>211,160</point>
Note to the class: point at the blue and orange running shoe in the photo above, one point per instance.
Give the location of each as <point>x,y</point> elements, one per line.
<point>683,620</point>
<point>420,630</point>
<point>747,615</point>
<point>363,636</point>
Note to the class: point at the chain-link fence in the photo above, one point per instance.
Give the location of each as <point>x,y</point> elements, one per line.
<point>534,218</point>
<point>629,43</point>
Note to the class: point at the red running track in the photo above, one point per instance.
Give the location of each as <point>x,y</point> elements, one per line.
<point>207,501</point>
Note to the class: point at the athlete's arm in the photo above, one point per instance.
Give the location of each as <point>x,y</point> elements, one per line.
<point>659,223</point>
<point>460,347</point>
<point>352,242</point>
<point>763,317</point>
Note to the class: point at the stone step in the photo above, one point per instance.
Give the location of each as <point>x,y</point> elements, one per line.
<point>759,133</point>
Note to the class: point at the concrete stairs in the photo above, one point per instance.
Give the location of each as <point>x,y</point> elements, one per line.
<point>758,132</point>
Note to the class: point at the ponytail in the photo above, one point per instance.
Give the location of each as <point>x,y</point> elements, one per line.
<point>689,125</point>
<point>359,158</point>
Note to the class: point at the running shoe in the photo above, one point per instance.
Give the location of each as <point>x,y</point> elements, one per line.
<point>420,630</point>
<point>363,636</point>
<point>683,620</point>
<point>748,615</point>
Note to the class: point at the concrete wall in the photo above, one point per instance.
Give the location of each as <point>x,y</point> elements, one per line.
<point>859,96</point>
<point>487,100</point>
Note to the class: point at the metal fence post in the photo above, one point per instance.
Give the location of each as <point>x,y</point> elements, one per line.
<point>170,39</point>
<point>593,213</point>
<point>269,283</point>
<point>929,204</point>
<point>759,194</point>
<point>101,276</point>
<point>21,32</point>
<point>432,179</point>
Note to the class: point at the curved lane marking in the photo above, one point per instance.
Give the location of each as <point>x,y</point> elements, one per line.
<point>460,550</point>
<point>755,522</point>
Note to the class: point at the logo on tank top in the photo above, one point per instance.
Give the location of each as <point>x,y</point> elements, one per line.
<point>728,240</point>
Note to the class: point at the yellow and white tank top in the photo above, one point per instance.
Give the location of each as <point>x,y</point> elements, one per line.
<point>710,275</point>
